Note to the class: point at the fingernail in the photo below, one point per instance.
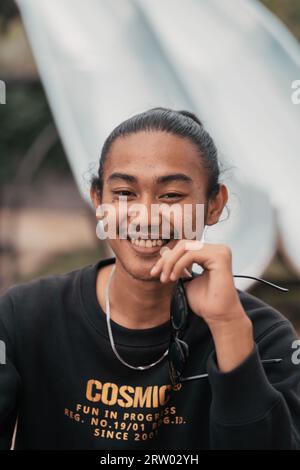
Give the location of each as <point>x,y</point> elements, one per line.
<point>153,270</point>
<point>163,250</point>
<point>162,277</point>
<point>172,277</point>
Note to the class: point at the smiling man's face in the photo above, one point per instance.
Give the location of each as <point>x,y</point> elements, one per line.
<point>151,168</point>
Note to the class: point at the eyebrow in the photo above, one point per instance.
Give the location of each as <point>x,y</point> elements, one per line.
<point>181,177</point>
<point>122,176</point>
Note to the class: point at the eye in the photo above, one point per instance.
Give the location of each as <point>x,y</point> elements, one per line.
<point>171,196</point>
<point>123,192</point>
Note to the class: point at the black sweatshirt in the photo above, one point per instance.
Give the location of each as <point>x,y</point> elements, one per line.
<point>69,391</point>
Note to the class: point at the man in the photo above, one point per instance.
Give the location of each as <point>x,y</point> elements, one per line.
<point>87,351</point>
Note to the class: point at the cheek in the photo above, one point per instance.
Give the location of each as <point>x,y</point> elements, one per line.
<point>115,214</point>
<point>193,220</point>
<point>171,218</point>
<point>199,216</point>
<point>114,245</point>
<point>127,216</point>
<point>121,220</point>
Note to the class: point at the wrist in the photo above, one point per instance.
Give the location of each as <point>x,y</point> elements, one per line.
<point>231,325</point>
<point>233,341</point>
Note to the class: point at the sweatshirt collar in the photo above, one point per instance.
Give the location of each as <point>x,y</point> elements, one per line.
<point>154,336</point>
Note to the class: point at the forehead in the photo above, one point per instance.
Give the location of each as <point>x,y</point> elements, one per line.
<point>148,154</point>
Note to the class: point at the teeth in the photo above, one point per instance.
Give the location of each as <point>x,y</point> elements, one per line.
<point>148,243</point>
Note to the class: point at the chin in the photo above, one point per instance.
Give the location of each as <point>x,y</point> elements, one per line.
<point>138,270</point>
<point>138,260</point>
<point>137,263</point>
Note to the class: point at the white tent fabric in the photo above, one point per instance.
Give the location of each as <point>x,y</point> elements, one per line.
<point>238,62</point>
<point>102,61</point>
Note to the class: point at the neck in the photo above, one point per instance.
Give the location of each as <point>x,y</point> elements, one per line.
<point>139,304</point>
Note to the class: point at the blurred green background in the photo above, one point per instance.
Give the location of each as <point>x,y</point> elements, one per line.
<point>37,188</point>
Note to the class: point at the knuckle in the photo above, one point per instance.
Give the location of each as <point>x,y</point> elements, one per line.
<point>225,252</point>
<point>181,243</point>
<point>178,267</point>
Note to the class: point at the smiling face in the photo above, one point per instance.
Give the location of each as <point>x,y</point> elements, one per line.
<point>152,168</point>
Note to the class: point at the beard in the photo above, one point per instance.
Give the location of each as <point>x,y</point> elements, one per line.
<point>134,264</point>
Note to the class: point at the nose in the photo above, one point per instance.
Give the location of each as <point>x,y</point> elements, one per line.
<point>148,217</point>
<point>145,217</point>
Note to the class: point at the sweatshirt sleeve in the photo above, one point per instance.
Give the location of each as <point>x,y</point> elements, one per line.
<point>257,405</point>
<point>9,376</point>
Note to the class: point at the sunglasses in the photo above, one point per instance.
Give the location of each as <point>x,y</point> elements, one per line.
<point>178,349</point>
<point>178,352</point>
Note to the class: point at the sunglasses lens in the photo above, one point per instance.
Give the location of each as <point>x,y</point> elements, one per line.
<point>179,307</point>
<point>184,349</point>
<point>178,352</point>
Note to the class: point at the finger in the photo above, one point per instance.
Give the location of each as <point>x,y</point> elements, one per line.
<point>181,266</point>
<point>176,253</point>
<point>170,256</point>
<point>156,269</point>
<point>187,272</point>
<point>193,252</point>
<point>171,259</point>
<point>209,257</point>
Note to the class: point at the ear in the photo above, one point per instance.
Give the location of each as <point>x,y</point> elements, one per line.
<point>95,197</point>
<point>216,205</point>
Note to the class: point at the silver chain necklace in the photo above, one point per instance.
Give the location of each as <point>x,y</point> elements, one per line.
<point>112,343</point>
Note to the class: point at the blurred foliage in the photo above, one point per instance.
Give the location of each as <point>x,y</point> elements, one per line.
<point>24,116</point>
<point>287,303</point>
<point>21,120</point>
<point>66,262</point>
<point>288,11</point>
<point>8,11</point>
